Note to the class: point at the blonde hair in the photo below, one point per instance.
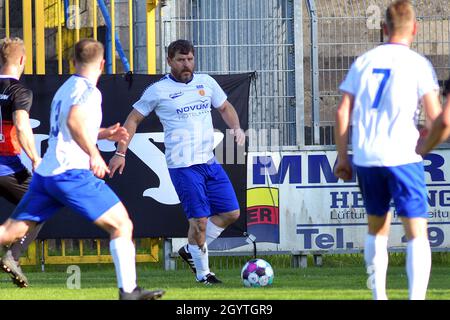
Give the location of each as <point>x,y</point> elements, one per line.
<point>400,16</point>
<point>11,49</point>
<point>88,51</point>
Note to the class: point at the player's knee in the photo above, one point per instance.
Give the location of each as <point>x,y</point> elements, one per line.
<point>202,225</point>
<point>122,228</point>
<point>199,225</point>
<point>126,227</point>
<point>231,217</point>
<point>234,215</point>
<point>7,237</point>
<point>2,235</point>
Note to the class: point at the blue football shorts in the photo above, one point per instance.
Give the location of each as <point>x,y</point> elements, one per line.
<point>78,190</point>
<point>404,184</point>
<point>204,190</point>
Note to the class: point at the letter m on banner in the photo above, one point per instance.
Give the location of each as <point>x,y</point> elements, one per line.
<point>264,165</point>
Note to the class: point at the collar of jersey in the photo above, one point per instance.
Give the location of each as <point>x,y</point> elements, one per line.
<point>6,76</point>
<point>88,80</point>
<point>173,79</point>
<point>397,44</point>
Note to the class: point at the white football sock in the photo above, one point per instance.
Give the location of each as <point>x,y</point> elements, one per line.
<point>376,258</point>
<point>200,259</point>
<point>212,231</point>
<point>124,254</point>
<point>418,265</point>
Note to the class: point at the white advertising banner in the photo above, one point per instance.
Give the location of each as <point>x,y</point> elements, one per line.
<point>296,204</point>
<point>319,212</point>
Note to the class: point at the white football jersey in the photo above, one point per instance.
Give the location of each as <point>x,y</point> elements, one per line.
<point>184,110</point>
<point>387,84</point>
<point>63,152</point>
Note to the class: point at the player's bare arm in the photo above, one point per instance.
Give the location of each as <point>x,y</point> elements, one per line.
<point>343,167</point>
<point>25,136</point>
<point>432,107</point>
<point>439,132</point>
<point>117,162</point>
<point>76,123</point>
<point>114,133</point>
<point>229,115</point>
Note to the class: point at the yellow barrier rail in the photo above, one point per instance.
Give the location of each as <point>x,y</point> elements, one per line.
<point>7,27</point>
<point>28,35</point>
<point>83,21</point>
<point>151,36</point>
<point>150,246</point>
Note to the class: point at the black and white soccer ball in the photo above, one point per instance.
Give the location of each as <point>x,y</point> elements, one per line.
<point>257,273</point>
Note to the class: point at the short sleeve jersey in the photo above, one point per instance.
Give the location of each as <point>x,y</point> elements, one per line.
<point>387,84</point>
<point>14,96</point>
<point>184,110</point>
<point>63,153</point>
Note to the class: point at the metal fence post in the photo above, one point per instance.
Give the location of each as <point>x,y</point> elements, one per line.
<point>169,261</point>
<point>299,81</point>
<point>315,70</point>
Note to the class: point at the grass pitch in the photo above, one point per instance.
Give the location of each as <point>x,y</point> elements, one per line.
<point>339,278</point>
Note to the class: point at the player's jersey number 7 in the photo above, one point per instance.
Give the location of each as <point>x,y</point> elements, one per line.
<point>386,74</point>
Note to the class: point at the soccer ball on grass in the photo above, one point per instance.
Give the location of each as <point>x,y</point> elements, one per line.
<point>257,273</point>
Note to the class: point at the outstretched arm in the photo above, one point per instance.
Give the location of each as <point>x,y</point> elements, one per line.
<point>432,107</point>
<point>76,121</point>
<point>117,162</point>
<point>230,116</point>
<point>343,167</point>
<point>113,133</point>
<point>440,129</point>
<point>25,136</point>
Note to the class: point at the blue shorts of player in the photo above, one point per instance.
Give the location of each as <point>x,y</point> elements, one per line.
<point>204,190</point>
<point>404,184</point>
<point>78,190</point>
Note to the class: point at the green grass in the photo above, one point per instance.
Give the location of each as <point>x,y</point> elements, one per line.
<point>340,277</point>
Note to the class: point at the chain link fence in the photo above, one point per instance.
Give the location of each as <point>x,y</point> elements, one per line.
<point>300,50</point>
<point>336,32</point>
<point>236,36</point>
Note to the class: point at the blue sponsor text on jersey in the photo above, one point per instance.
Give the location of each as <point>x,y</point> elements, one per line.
<point>176,95</point>
<point>201,106</point>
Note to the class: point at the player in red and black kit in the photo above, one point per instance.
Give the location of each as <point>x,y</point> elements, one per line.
<point>15,134</point>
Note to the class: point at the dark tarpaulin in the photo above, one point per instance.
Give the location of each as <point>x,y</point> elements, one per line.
<point>151,218</point>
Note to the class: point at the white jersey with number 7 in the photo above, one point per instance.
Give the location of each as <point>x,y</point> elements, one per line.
<point>387,84</point>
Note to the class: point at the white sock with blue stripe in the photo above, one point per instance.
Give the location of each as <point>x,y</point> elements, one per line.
<point>418,265</point>
<point>376,258</point>
<point>212,231</point>
<point>201,259</point>
<point>124,255</point>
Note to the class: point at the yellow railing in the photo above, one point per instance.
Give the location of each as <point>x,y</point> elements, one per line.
<point>31,258</point>
<point>50,14</point>
<point>147,251</point>
<point>151,36</point>
<point>7,26</point>
<point>28,35</point>
<point>40,36</point>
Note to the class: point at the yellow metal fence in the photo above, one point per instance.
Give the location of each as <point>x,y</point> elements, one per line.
<point>82,19</point>
<point>40,253</point>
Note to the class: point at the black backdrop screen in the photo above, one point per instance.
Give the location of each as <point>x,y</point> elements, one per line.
<point>151,217</point>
